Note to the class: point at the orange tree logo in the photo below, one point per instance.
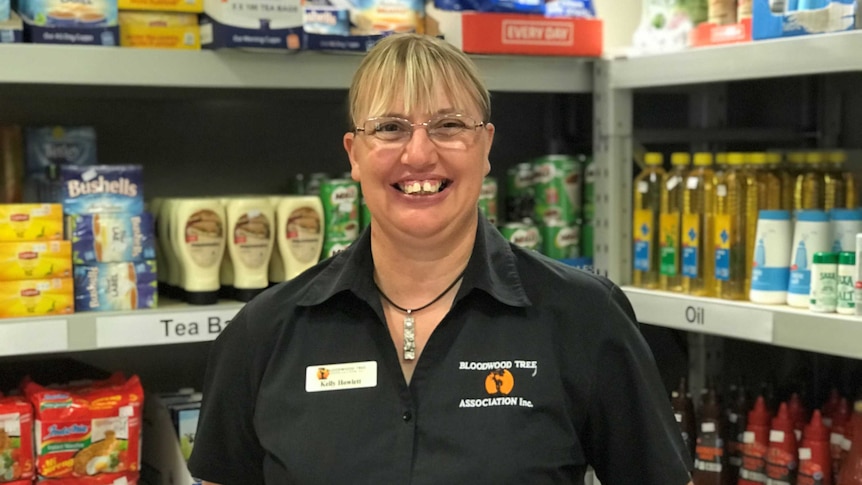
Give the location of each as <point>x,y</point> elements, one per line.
<point>499,381</point>
<point>322,373</point>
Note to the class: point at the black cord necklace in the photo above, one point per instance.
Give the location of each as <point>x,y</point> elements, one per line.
<point>409,328</point>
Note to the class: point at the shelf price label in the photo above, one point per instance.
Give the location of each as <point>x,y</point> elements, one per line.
<point>33,337</point>
<point>162,328</point>
<point>727,319</point>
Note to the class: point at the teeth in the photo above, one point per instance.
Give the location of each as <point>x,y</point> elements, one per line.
<point>427,187</point>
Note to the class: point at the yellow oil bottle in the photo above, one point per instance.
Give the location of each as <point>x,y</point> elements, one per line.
<point>646,208</point>
<point>776,164</point>
<point>809,191</point>
<point>670,271</point>
<point>730,228</point>
<point>698,262</point>
<point>840,183</point>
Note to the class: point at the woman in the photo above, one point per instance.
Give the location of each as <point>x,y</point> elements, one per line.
<point>432,351</point>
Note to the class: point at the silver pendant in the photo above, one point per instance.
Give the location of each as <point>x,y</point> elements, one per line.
<point>409,338</point>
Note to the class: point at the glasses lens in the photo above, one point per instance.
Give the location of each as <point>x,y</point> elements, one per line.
<point>449,126</point>
<point>388,129</point>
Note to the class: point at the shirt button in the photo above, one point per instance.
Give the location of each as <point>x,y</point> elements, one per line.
<point>407,416</point>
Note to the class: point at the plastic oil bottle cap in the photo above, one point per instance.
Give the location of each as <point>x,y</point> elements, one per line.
<point>653,159</point>
<point>847,257</point>
<point>735,158</point>
<point>702,159</point>
<point>825,258</point>
<point>680,158</point>
<point>814,157</point>
<point>837,156</point>
<point>758,158</point>
<point>773,158</point>
<point>721,158</point>
<point>796,157</point>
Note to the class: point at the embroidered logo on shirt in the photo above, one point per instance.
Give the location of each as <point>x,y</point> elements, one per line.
<point>499,382</point>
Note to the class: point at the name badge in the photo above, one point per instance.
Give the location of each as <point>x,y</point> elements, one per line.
<point>338,377</point>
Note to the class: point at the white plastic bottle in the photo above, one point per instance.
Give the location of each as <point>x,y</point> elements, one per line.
<point>171,268</point>
<point>199,238</point>
<point>300,234</point>
<point>250,222</point>
<point>770,269</point>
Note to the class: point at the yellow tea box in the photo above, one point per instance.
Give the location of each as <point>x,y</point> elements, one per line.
<point>160,30</point>
<point>35,260</point>
<point>31,222</point>
<point>27,298</point>
<point>188,6</point>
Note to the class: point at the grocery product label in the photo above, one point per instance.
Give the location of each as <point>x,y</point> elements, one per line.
<point>642,232</point>
<point>690,244</point>
<point>303,233</point>
<point>102,188</point>
<point>810,473</point>
<point>845,292</point>
<point>522,235</point>
<point>108,238</point>
<point>16,440</point>
<point>341,209</point>
<point>35,260</point>
<point>488,200</point>
<point>753,462</point>
<point>27,298</point>
<point>557,189</point>
<point>722,246</point>
<point>251,235</point>
<point>561,242</point>
<point>669,244</point>
<point>116,286</point>
<point>205,237</point>
<point>780,467</point>
<point>31,222</point>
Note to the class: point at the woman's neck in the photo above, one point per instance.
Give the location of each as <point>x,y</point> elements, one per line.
<point>413,272</point>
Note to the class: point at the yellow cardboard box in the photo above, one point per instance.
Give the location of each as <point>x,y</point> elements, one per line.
<point>35,260</point>
<point>161,30</point>
<point>29,298</point>
<point>189,6</point>
<point>31,222</point>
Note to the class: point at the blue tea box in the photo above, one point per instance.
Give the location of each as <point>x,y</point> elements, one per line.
<point>788,18</point>
<point>50,147</point>
<point>11,30</point>
<point>102,189</point>
<point>356,25</point>
<point>255,24</point>
<point>87,22</point>
<point>115,286</point>
<point>5,10</point>
<point>110,238</point>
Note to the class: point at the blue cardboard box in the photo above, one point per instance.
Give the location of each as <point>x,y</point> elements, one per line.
<point>110,238</point>
<point>115,286</point>
<point>787,18</point>
<point>253,24</point>
<point>12,29</point>
<point>49,148</point>
<point>102,189</point>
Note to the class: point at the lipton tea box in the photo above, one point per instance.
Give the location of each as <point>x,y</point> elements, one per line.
<point>116,286</point>
<point>35,260</point>
<point>31,222</point>
<point>102,189</point>
<point>28,298</point>
<point>110,238</point>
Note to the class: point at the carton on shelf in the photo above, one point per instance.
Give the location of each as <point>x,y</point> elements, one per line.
<point>88,22</point>
<point>356,26</point>
<point>707,34</point>
<point>252,24</point>
<point>28,298</point>
<point>31,222</point>
<point>160,30</point>
<point>187,6</point>
<point>102,189</point>
<point>111,238</point>
<point>35,260</point>
<point>116,286</point>
<point>770,19</point>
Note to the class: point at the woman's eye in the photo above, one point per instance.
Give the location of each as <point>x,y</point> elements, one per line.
<point>389,127</point>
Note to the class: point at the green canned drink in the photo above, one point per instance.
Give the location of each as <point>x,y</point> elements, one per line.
<point>589,187</point>
<point>519,192</point>
<point>587,239</point>
<point>558,189</point>
<point>340,199</point>
<point>521,234</point>
<point>488,199</point>
<point>331,248</point>
<point>561,241</point>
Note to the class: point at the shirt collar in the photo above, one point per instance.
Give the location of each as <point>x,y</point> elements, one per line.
<point>492,268</point>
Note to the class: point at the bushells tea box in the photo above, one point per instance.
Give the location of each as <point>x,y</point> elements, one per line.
<point>116,286</point>
<point>102,189</point>
<point>109,238</point>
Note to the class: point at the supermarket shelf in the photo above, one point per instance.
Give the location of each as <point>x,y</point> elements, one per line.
<point>154,68</point>
<point>172,323</point>
<point>814,54</point>
<point>776,325</point>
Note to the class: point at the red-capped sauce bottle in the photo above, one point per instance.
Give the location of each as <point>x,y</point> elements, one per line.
<point>815,460</point>
<point>755,444</point>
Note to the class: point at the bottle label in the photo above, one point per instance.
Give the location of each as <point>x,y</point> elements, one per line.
<point>824,288</point>
<point>810,473</point>
<point>780,467</point>
<point>709,450</point>
<point>722,247</point>
<point>690,243</point>
<point>845,291</point>
<point>753,463</point>
<point>204,233</point>
<point>642,233</point>
<point>669,244</point>
<point>251,236</point>
<point>303,231</point>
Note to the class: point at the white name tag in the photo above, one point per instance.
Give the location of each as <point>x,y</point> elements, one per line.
<point>338,377</point>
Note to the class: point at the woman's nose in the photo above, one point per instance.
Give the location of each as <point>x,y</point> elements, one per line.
<point>420,150</point>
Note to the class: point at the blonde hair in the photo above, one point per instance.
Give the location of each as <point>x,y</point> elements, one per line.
<point>414,66</point>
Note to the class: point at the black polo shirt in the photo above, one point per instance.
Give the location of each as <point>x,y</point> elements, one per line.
<point>537,371</point>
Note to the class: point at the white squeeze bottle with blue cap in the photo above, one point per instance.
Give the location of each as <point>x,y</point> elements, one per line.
<point>811,235</point>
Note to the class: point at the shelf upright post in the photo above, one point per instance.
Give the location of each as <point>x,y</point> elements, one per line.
<point>707,109</point>
<point>612,152</point>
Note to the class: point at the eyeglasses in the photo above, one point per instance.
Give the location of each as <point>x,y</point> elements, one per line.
<point>447,130</point>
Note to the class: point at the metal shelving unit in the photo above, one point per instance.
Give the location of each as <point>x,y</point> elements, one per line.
<point>154,68</point>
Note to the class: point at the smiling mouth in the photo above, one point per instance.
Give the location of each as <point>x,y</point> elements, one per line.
<point>424,187</point>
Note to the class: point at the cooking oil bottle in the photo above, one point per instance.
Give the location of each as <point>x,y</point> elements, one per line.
<point>810,189</point>
<point>670,272</point>
<point>647,207</point>
<point>840,184</point>
<point>776,164</point>
<point>794,163</point>
<point>698,262</point>
<point>730,227</point>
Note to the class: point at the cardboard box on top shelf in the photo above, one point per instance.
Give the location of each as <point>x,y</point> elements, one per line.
<point>85,22</point>
<point>252,24</point>
<point>707,34</point>
<point>160,30</point>
<point>355,26</point>
<point>507,33</point>
<point>5,10</point>
<point>789,18</point>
